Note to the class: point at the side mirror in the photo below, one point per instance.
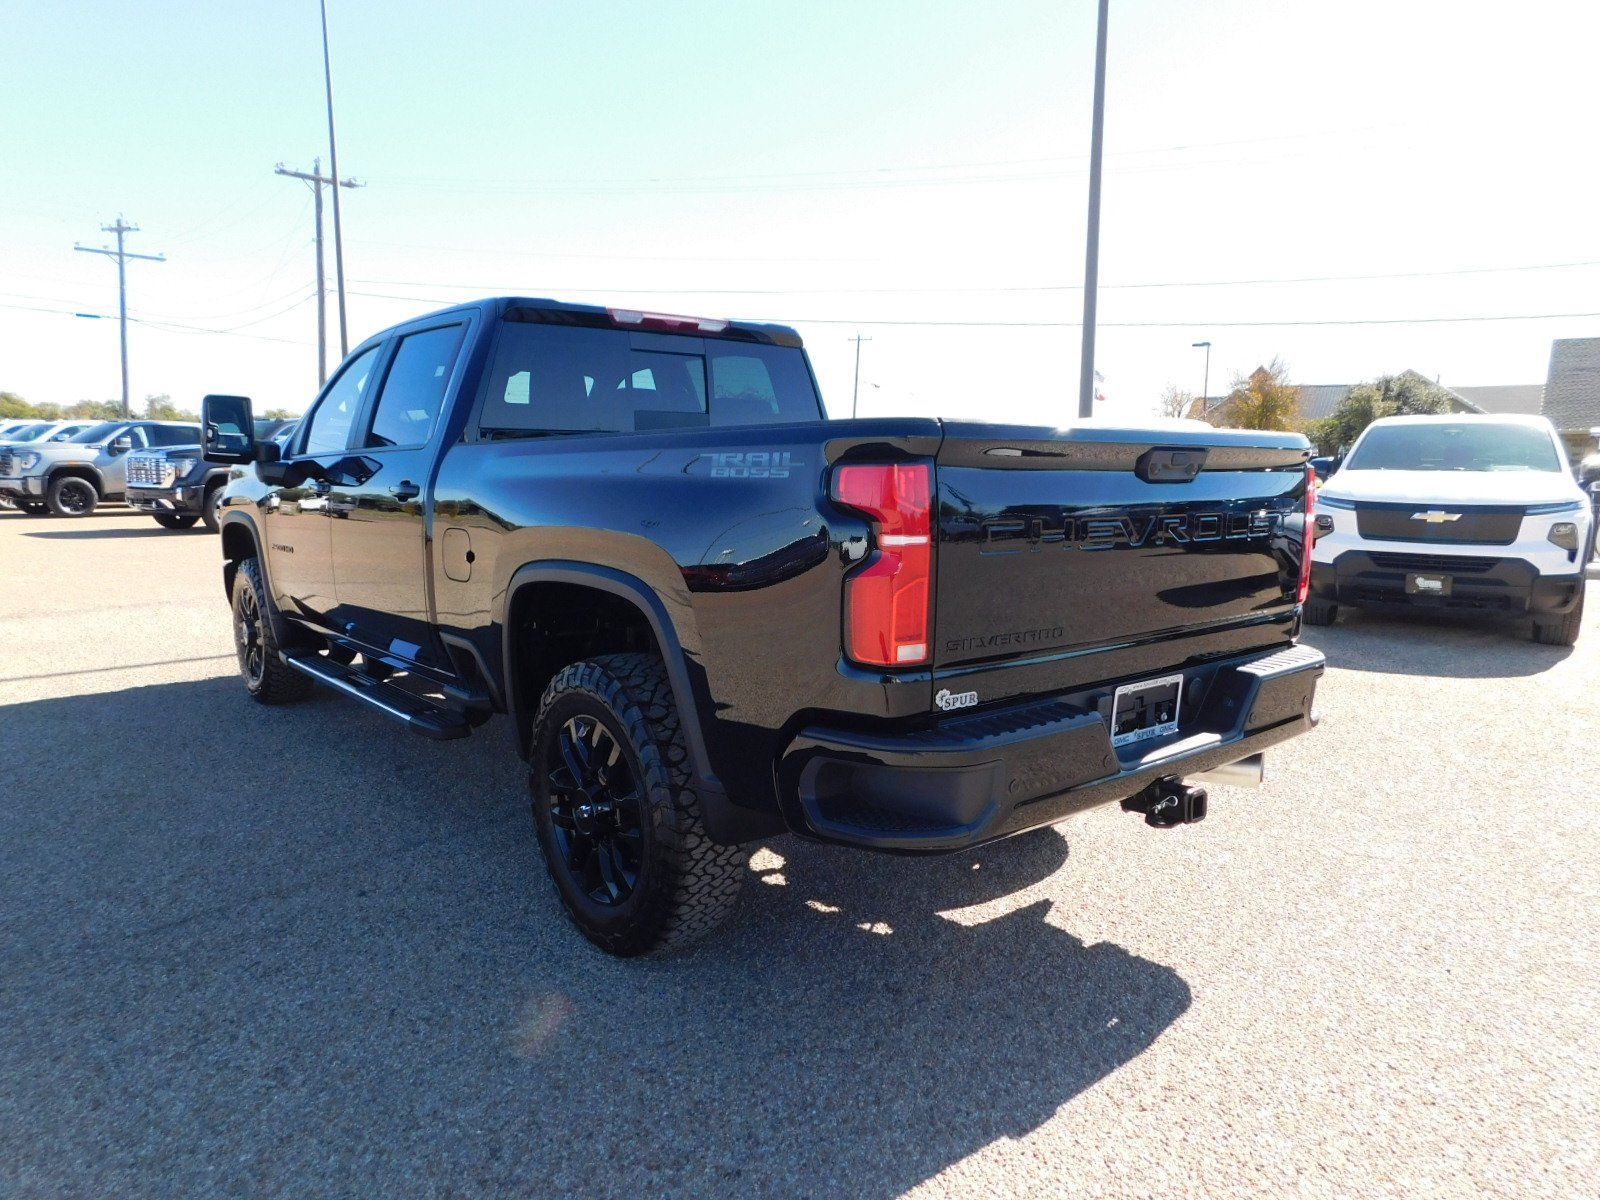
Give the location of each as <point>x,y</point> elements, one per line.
<point>121,445</point>
<point>229,429</point>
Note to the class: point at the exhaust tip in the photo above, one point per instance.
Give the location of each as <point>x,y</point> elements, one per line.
<point>1247,773</point>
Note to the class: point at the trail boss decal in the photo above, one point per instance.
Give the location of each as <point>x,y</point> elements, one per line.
<point>1014,535</point>
<point>751,464</point>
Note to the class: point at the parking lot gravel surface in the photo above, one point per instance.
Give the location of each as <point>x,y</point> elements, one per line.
<point>300,952</point>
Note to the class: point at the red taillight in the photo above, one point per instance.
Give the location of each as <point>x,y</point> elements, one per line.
<point>1308,535</point>
<point>886,603</point>
<point>630,316</point>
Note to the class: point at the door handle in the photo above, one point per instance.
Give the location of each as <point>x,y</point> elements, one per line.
<point>405,490</point>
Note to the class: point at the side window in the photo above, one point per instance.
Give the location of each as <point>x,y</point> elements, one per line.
<point>760,385</point>
<point>413,391</point>
<point>136,434</point>
<point>329,430</point>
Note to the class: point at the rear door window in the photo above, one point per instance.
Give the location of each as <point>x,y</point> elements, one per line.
<point>413,391</point>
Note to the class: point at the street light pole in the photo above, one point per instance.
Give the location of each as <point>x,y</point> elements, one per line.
<point>1205,386</point>
<point>1091,265</point>
<point>855,392</point>
<point>333,170</point>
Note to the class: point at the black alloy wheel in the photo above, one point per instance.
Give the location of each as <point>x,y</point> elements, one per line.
<point>596,812</point>
<point>73,497</point>
<point>249,635</point>
<point>616,812</point>
<point>267,677</point>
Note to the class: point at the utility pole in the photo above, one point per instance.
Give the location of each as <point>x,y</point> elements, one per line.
<point>855,393</point>
<point>1091,265</point>
<point>122,255</point>
<point>1205,387</point>
<point>318,181</point>
<point>333,169</point>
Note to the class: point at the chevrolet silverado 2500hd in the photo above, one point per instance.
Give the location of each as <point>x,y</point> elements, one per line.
<point>715,615</point>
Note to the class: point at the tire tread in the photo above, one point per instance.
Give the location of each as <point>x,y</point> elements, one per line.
<point>702,880</point>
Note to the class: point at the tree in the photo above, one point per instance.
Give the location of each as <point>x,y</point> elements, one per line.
<point>96,410</point>
<point>1264,399</point>
<point>1405,394</point>
<point>161,408</point>
<point>279,414</point>
<point>1175,402</point>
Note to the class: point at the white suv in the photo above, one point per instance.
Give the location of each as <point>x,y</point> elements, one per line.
<point>1476,513</point>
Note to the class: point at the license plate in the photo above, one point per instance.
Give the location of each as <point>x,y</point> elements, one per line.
<point>1427,585</point>
<point>1145,710</point>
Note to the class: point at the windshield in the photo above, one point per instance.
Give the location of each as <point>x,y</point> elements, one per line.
<point>266,428</point>
<point>96,433</point>
<point>1467,446</point>
<point>66,431</point>
<point>30,435</point>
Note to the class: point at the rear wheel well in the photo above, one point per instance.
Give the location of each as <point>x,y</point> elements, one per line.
<point>553,625</point>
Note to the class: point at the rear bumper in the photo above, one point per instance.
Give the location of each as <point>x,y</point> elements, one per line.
<point>1003,771</point>
<point>184,501</point>
<point>1512,586</point>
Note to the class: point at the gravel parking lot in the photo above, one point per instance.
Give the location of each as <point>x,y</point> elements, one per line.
<point>301,952</point>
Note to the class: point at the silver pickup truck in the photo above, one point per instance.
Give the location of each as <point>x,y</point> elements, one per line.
<point>68,479</point>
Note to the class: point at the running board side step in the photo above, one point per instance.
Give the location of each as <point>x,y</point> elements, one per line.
<point>421,716</point>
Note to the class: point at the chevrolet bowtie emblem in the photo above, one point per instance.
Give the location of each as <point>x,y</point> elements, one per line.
<point>1435,516</point>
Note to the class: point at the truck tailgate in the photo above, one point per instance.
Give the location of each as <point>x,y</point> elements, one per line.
<point>1078,556</point>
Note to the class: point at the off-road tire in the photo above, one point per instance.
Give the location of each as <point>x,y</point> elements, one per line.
<point>1560,630</point>
<point>687,884</point>
<point>174,520</point>
<point>71,496</point>
<point>1319,612</point>
<point>269,680</point>
<point>209,508</point>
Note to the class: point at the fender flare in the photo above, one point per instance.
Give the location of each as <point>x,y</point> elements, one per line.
<point>643,597</point>
<point>76,468</point>
<point>280,626</point>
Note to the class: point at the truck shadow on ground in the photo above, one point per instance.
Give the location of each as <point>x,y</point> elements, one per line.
<point>73,535</point>
<point>298,951</point>
<point>1457,647</point>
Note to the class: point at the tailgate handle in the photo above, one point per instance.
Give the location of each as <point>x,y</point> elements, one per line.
<point>1170,464</point>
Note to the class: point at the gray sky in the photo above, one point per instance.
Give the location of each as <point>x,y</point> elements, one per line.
<point>870,165</point>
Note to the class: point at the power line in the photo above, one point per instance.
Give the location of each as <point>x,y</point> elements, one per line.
<point>167,326</point>
<point>1193,324</point>
<point>870,174</point>
<point>1269,281</point>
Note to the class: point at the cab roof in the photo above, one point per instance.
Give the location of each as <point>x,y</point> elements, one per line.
<point>543,310</point>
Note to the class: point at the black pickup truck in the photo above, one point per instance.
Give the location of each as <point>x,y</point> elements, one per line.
<point>178,486</point>
<point>716,615</point>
